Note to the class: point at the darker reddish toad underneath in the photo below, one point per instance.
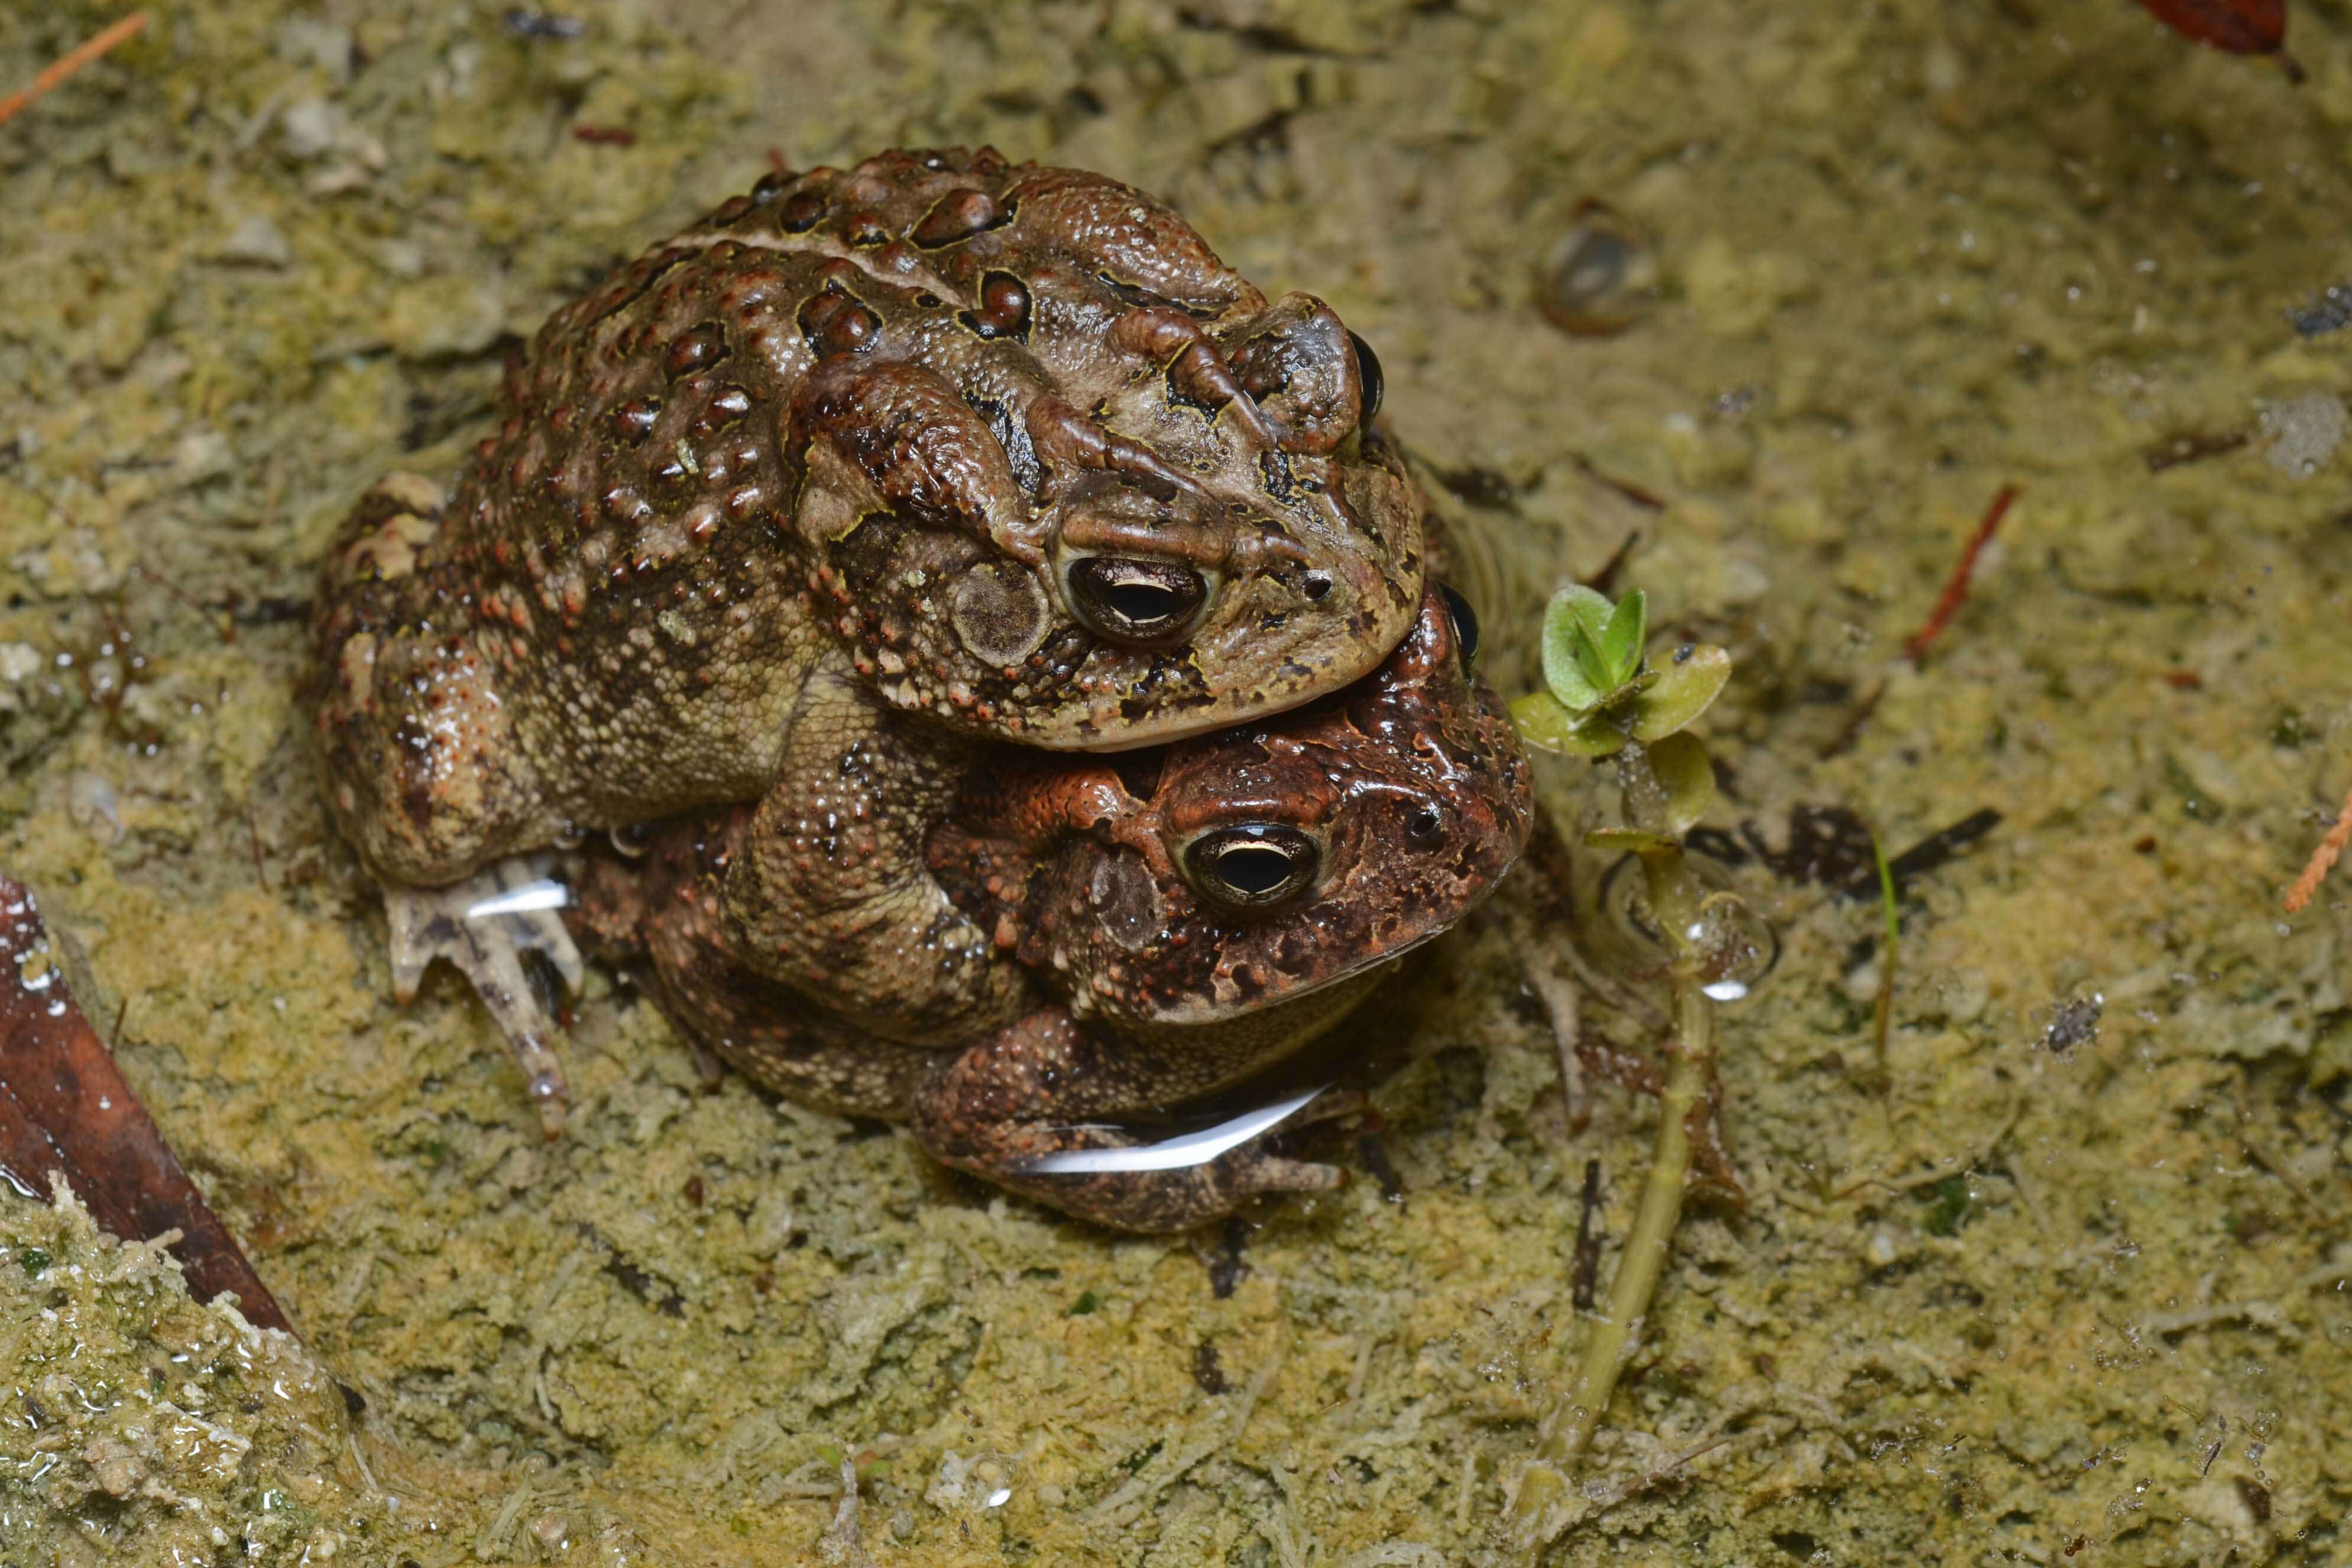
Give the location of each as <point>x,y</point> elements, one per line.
<point>1184,920</point>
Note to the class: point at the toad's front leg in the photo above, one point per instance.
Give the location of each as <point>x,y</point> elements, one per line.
<point>832,890</point>
<point>1043,1086</point>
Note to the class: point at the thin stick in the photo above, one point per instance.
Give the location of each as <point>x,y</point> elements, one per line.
<point>2314,871</point>
<point>1955,588</point>
<point>55,74</point>
<point>1588,1242</point>
<point>1893,936</point>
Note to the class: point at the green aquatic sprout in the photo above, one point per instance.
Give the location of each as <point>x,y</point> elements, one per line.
<point>1606,699</point>
<point>1603,694</point>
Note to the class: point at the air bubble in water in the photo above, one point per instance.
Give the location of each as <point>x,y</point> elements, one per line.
<point>1739,947</point>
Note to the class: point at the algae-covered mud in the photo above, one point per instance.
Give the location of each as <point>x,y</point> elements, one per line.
<point>2065,1278</point>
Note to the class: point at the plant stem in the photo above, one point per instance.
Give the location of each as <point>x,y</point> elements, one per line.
<point>1675,896</point>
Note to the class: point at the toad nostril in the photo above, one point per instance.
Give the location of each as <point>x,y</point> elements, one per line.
<point>1422,826</point>
<point>1319,587</point>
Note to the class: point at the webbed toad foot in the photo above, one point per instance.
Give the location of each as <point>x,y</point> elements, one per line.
<point>1020,1109</point>
<point>484,925</point>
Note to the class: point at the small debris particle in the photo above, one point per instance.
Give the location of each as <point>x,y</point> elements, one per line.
<point>1226,1270</point>
<point>604,135</point>
<point>1826,843</point>
<point>1085,1305</point>
<point>524,24</point>
<point>1374,1153</point>
<point>258,242</point>
<point>2330,312</point>
<point>2073,1024</point>
<point>1208,1371</point>
<point>2302,432</point>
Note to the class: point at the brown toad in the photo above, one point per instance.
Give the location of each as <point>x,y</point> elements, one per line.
<point>1188,918</point>
<point>864,468</point>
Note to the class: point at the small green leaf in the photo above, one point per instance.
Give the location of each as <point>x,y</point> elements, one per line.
<point>1621,638</point>
<point>1544,723</point>
<point>1683,689</point>
<point>1573,621</point>
<point>1682,771</point>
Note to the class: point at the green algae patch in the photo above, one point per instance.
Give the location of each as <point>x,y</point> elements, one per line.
<point>143,1427</point>
<point>2064,1274</point>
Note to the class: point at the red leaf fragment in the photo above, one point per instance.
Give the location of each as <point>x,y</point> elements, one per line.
<point>2237,26</point>
<point>65,1110</point>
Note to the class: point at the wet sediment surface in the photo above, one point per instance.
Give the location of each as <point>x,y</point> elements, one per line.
<point>2066,1273</point>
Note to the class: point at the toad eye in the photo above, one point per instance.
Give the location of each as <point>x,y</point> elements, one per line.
<point>1255,866</point>
<point>1369,378</point>
<point>1465,623</point>
<point>1133,601</point>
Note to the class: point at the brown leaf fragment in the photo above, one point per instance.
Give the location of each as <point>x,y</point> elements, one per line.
<point>66,1111</point>
<point>2239,27</point>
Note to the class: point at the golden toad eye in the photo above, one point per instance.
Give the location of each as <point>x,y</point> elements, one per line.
<point>1255,866</point>
<point>1135,601</point>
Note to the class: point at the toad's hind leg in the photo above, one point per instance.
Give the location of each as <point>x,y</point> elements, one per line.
<point>424,767</point>
<point>1041,1087</point>
<point>484,925</point>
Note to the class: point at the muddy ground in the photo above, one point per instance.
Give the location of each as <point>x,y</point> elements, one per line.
<point>2065,1278</point>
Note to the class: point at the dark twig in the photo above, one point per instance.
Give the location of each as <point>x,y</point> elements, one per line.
<point>1863,710</point>
<point>1647,499</point>
<point>1927,855</point>
<point>1605,580</point>
<point>1588,1240</point>
<point>253,836</point>
<point>2183,449</point>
